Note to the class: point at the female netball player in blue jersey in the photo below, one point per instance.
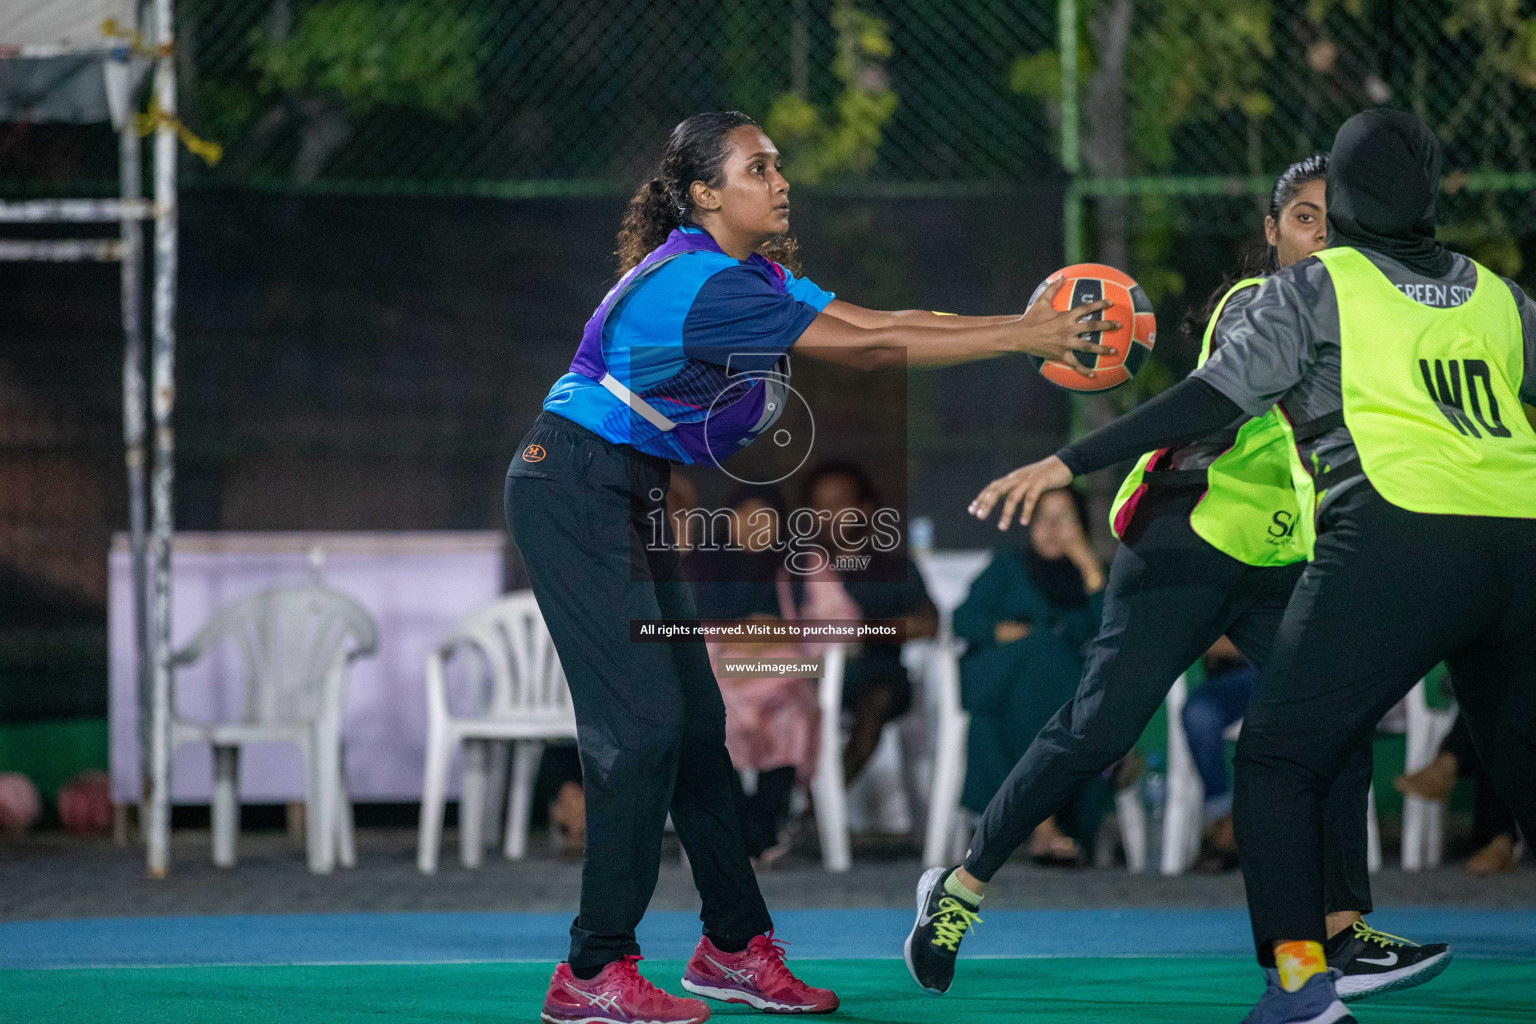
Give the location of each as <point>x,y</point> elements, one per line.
<point>708,291</point>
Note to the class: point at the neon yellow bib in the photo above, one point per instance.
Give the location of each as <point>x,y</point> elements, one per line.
<point>1249,510</point>
<point>1430,394</point>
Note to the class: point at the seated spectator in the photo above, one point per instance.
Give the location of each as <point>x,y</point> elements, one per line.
<point>1026,620</point>
<point>568,807</point>
<point>20,805</point>
<point>1493,827</point>
<point>1208,713</point>
<point>772,723</point>
<point>876,689</point>
<point>730,559</point>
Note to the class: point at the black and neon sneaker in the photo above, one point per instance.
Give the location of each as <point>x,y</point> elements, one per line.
<point>1372,962</point>
<point>943,918</point>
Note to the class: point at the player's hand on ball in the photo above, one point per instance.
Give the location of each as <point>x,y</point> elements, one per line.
<point>1051,333</point>
<point>1020,490</point>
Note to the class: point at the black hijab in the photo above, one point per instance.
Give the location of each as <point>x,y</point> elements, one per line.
<point>1057,579</point>
<point>1383,173</point>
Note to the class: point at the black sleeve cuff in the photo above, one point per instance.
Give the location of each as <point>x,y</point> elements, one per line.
<point>1072,459</point>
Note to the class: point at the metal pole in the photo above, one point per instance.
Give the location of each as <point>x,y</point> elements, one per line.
<point>131,173</point>
<point>1072,224</point>
<point>163,400</point>
<point>1071,158</point>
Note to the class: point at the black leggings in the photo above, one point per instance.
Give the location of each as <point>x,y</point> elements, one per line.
<point>765,810</point>
<point>1170,595</point>
<point>1490,815</point>
<point>649,716</point>
<point>1390,594</point>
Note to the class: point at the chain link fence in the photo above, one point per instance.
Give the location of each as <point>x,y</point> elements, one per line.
<point>304,327</point>
<point>1190,102</point>
<point>1174,118</point>
<point>525,97</point>
<point>1169,119</point>
<point>561,96</point>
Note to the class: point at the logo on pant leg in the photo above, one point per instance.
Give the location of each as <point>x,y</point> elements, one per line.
<point>533,453</point>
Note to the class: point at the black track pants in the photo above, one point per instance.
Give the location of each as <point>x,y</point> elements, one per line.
<point>1390,594</point>
<point>650,719</point>
<point>1169,596</point>
<point>1490,817</point>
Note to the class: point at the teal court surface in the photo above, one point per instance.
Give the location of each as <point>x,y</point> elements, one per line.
<point>1085,966</point>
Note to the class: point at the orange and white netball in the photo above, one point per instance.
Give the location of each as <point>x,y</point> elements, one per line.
<point>1132,342</point>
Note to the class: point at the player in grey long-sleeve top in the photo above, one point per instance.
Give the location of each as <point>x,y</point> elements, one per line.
<point>1170,594</point>
<point>1390,591</point>
<point>1285,347</point>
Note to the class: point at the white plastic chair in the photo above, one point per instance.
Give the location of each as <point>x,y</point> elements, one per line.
<point>892,789</point>
<point>295,645</point>
<point>1423,820</point>
<point>1184,810</point>
<point>953,732</point>
<point>1132,817</point>
<point>947,837</point>
<point>829,795</point>
<point>519,694</point>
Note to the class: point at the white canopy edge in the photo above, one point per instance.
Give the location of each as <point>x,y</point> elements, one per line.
<point>57,28</point>
<point>55,211</point>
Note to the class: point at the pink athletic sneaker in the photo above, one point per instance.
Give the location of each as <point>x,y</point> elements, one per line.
<point>755,976</point>
<point>618,995</point>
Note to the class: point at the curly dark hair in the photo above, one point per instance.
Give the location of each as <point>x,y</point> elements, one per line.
<point>1264,259</point>
<point>696,151</point>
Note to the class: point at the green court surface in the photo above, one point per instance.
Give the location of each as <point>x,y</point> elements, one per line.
<point>1188,990</point>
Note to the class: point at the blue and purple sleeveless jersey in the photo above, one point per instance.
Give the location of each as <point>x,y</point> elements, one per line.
<point>674,337</point>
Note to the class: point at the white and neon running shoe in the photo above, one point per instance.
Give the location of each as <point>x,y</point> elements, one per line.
<point>934,941</point>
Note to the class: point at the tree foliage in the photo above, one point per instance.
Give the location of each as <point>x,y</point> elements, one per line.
<point>1190,61</point>
<point>373,53</point>
<point>818,142</point>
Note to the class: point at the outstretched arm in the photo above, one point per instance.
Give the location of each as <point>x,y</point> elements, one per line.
<point>869,339</point>
<point>871,318</point>
<point>1260,352</point>
<point>1183,413</point>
